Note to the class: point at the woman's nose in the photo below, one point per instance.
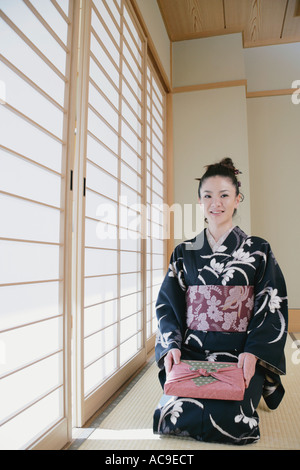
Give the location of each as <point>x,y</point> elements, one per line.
<point>216,202</point>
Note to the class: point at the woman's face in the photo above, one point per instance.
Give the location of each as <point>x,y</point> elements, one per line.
<point>218,198</point>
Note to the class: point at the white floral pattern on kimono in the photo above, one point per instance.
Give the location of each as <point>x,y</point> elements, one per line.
<point>215,303</point>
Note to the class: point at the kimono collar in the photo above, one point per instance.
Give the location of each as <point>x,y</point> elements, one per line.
<point>215,245</point>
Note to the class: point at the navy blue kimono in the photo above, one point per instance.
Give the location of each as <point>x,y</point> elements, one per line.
<point>214,306</point>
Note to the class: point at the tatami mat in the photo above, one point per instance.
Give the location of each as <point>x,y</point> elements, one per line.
<point>127,424</point>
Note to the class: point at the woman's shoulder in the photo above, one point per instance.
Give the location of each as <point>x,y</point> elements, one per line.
<point>191,244</point>
<point>259,241</point>
<point>259,247</point>
<point>252,240</point>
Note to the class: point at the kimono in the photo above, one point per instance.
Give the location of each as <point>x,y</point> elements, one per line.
<point>214,305</point>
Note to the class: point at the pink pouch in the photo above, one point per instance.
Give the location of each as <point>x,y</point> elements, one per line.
<point>205,379</point>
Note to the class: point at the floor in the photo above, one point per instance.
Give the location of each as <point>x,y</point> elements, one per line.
<point>126,424</point>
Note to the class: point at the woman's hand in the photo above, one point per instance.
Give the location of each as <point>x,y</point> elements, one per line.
<point>173,356</point>
<point>247,362</point>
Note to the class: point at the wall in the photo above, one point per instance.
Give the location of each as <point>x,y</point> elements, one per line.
<point>208,60</point>
<point>274,127</point>
<point>272,67</point>
<point>260,134</point>
<point>209,124</point>
<point>274,156</point>
<point>156,27</point>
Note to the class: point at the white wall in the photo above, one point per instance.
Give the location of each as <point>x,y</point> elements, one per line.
<point>274,152</point>
<point>208,126</point>
<point>272,67</point>
<point>261,135</point>
<point>208,60</point>
<point>156,27</point>
<point>274,156</point>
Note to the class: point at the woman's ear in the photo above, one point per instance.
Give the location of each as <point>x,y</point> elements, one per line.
<point>238,199</point>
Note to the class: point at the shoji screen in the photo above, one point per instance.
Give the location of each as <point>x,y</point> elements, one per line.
<point>35,42</point>
<point>155,194</point>
<point>112,324</point>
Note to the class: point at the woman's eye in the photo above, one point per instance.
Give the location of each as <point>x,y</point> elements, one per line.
<point>224,195</point>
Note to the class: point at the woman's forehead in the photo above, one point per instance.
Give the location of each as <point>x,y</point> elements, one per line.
<point>217,183</point>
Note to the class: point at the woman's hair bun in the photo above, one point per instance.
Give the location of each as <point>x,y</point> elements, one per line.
<point>228,162</point>
<point>224,168</point>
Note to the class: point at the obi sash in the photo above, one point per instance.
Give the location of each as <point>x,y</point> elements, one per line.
<point>219,308</point>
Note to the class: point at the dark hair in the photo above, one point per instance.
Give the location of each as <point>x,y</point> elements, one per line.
<point>224,168</point>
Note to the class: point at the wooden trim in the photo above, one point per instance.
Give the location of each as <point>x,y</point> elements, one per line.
<point>32,46</point>
<point>52,439</point>
<point>79,212</point>
<point>61,12</point>
<point>261,94</point>
<point>32,162</point>
<point>155,92</point>
<point>100,396</point>
<point>150,345</point>
<point>35,242</point>
<point>171,64</point>
<point>170,173</point>
<point>233,83</point>
<point>67,235</point>
<point>210,86</point>
<point>56,434</point>
<point>270,42</point>
<point>223,32</point>
<point>206,34</point>
<point>152,52</point>
<point>33,123</point>
<point>46,25</point>
<point>87,403</point>
<point>294,320</point>
<point>31,83</point>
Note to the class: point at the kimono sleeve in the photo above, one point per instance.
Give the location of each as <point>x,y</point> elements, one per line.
<point>267,330</point>
<point>171,308</point>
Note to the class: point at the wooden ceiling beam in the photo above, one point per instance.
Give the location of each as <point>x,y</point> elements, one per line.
<point>262,22</point>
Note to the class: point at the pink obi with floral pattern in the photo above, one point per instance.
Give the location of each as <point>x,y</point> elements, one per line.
<point>219,308</point>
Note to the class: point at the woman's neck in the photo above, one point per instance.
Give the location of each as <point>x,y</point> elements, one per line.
<point>218,231</point>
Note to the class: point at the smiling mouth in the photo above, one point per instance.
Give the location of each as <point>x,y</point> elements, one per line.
<point>216,212</point>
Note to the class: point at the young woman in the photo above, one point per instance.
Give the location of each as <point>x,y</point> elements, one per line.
<point>223,299</point>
